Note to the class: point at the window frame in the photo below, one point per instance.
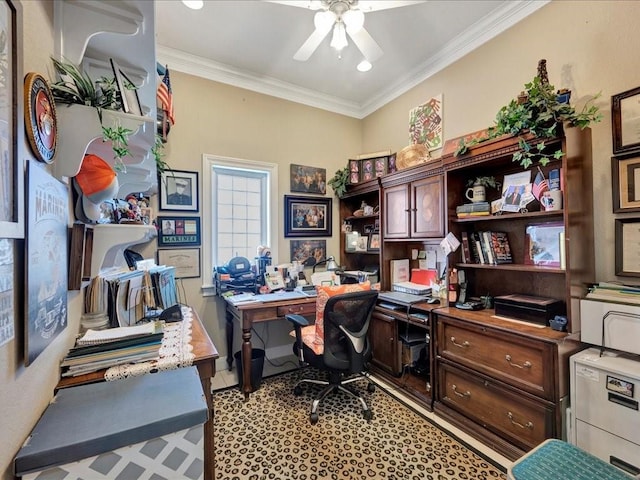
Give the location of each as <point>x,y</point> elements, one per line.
<point>209,161</point>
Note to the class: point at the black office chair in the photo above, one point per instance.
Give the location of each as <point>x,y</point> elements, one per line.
<point>347,350</point>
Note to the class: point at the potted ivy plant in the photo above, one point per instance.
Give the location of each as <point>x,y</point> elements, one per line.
<point>540,111</point>
<point>340,181</point>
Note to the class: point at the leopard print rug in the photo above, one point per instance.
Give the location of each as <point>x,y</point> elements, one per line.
<point>270,437</point>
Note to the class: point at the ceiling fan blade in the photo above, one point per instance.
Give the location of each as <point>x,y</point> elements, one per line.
<point>375,5</point>
<point>323,21</point>
<point>366,44</point>
<point>308,4</point>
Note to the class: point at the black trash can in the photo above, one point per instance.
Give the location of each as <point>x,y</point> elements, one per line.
<point>257,364</point>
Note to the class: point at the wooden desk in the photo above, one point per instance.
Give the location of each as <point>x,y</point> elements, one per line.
<point>205,360</point>
<point>248,314</point>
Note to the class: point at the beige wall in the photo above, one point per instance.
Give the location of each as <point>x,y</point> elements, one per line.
<point>589,46</point>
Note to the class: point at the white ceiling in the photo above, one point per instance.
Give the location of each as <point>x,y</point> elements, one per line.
<point>251,43</point>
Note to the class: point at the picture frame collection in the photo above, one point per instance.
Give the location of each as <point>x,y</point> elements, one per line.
<point>178,191</point>
<point>625,170</point>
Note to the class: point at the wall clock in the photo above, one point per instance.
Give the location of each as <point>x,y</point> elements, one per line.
<point>40,117</point>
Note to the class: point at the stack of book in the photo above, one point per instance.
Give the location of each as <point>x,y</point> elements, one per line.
<point>473,209</point>
<point>615,292</point>
<point>486,247</point>
<point>99,349</point>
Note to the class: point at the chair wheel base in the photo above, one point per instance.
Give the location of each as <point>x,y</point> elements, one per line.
<point>371,388</point>
<point>367,414</point>
<point>313,418</point>
<point>297,390</point>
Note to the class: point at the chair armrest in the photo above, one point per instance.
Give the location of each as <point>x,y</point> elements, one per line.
<point>298,320</point>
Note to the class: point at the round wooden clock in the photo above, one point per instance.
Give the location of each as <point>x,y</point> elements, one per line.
<point>40,117</point>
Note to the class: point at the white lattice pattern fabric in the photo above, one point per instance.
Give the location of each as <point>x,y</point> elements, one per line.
<point>176,351</point>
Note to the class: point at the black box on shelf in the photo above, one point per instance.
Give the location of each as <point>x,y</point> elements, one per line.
<point>533,309</point>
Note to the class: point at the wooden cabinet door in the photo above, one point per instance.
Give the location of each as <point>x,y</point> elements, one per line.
<point>383,336</point>
<point>396,212</point>
<point>427,216</point>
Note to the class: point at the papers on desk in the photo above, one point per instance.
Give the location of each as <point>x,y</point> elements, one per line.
<point>245,298</point>
<point>242,298</point>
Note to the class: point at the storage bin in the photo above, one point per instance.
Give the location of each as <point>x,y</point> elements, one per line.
<point>149,426</point>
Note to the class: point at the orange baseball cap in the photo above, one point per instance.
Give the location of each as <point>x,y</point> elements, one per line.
<point>95,182</point>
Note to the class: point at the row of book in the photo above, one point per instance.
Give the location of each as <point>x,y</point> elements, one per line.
<point>99,349</point>
<point>486,247</point>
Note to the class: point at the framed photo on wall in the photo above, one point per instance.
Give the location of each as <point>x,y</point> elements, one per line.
<point>304,179</point>
<point>625,176</point>
<point>185,260</point>
<point>179,231</point>
<point>178,191</point>
<point>12,218</point>
<point>625,121</point>
<point>627,239</point>
<point>308,252</point>
<point>307,216</point>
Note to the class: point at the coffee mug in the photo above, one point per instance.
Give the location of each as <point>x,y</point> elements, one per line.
<point>477,193</point>
<point>551,200</point>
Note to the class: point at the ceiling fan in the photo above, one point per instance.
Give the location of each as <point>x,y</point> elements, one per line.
<point>344,17</point>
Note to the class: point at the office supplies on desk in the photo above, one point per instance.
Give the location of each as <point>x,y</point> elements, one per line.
<point>401,298</point>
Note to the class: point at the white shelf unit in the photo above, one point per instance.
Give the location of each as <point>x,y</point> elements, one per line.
<point>89,33</point>
<point>110,241</point>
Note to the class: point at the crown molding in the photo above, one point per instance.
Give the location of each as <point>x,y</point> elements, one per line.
<point>481,32</point>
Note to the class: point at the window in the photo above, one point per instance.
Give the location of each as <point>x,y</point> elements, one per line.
<point>239,209</point>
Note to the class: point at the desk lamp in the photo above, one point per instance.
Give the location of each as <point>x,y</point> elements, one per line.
<point>329,262</point>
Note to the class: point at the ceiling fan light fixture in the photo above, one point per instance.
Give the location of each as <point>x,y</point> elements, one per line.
<point>194,4</point>
<point>339,39</point>
<point>354,20</point>
<point>324,20</point>
<point>364,66</point>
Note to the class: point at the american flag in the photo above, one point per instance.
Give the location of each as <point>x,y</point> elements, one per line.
<point>540,185</point>
<point>165,96</point>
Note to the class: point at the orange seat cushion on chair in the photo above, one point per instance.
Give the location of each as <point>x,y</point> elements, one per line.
<point>313,335</point>
<point>327,291</point>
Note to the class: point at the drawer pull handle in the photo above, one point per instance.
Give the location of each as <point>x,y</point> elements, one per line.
<point>526,364</point>
<point>464,344</point>
<point>464,394</point>
<point>529,425</point>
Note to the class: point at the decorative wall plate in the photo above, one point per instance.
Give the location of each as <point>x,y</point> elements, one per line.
<point>40,117</point>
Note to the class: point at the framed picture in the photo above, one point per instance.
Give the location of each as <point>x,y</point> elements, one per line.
<point>351,241</point>
<point>374,242</point>
<point>308,252</point>
<point>178,190</point>
<point>542,244</point>
<point>128,91</point>
<point>12,218</point>
<point>305,179</point>
<point>46,258</point>
<point>179,231</point>
<point>627,239</point>
<point>625,175</point>
<point>625,121</point>
<point>368,170</point>
<point>369,228</point>
<point>354,172</point>
<point>380,165</point>
<point>307,216</point>
<point>185,260</point>
<point>362,243</point>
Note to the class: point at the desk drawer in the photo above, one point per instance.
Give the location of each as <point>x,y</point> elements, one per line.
<point>518,361</point>
<point>523,421</point>
<point>304,309</point>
